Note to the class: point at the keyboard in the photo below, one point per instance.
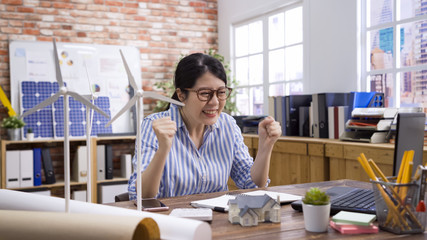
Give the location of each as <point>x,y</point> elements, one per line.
<point>357,200</point>
<point>348,199</point>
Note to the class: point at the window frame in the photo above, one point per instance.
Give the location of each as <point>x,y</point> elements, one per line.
<point>395,71</point>
<point>264,18</point>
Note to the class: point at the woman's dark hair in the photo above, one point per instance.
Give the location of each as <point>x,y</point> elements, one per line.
<point>192,67</point>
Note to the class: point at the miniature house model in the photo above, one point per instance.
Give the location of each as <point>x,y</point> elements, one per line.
<point>249,210</point>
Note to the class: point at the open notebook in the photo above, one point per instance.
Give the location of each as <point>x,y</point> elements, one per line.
<point>221,203</point>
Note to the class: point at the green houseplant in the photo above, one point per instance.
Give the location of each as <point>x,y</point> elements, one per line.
<point>316,209</point>
<point>30,134</point>
<point>13,125</point>
<point>168,88</point>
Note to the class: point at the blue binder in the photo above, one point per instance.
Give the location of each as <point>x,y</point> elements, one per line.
<point>37,158</point>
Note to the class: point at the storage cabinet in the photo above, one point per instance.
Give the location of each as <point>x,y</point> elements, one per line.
<point>294,160</point>
<point>121,145</point>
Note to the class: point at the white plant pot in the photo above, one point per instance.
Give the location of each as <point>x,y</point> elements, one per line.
<point>30,136</point>
<point>316,217</point>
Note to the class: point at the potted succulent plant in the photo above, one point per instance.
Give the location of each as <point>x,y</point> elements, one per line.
<point>316,208</point>
<point>30,134</point>
<point>13,124</point>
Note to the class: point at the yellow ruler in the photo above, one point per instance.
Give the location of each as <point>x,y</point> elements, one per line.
<point>6,103</point>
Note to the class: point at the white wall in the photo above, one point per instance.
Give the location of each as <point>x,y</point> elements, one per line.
<point>330,36</point>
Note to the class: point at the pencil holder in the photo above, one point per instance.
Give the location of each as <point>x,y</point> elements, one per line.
<point>396,206</point>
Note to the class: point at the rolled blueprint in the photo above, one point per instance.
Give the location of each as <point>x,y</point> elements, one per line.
<point>170,227</point>
<point>69,226</point>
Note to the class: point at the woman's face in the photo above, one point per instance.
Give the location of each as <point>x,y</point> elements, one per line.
<point>197,112</point>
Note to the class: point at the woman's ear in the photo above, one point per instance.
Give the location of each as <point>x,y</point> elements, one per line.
<point>181,95</point>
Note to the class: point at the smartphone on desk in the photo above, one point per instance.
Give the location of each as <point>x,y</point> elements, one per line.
<point>153,205</point>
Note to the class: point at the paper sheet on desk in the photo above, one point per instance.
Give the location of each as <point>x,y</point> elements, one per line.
<point>221,202</point>
<point>69,226</point>
<point>170,227</point>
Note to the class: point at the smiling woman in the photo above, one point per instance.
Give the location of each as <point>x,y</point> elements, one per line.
<point>230,106</point>
<point>196,148</point>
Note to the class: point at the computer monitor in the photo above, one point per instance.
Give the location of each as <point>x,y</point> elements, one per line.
<point>409,136</point>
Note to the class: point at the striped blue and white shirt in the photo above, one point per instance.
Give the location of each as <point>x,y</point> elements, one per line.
<point>189,170</point>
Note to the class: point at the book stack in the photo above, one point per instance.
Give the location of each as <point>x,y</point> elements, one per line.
<point>353,223</point>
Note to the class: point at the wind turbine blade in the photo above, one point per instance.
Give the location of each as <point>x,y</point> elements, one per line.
<point>130,77</point>
<point>163,98</point>
<point>87,103</point>
<point>124,109</point>
<point>57,67</point>
<point>42,105</point>
<point>88,78</point>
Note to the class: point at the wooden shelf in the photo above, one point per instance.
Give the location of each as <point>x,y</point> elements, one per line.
<point>24,144</point>
<point>54,185</point>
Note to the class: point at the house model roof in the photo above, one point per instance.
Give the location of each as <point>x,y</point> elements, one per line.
<point>243,201</point>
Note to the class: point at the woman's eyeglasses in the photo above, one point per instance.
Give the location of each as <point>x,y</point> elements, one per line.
<point>206,94</point>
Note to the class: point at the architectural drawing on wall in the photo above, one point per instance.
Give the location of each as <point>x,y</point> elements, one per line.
<point>249,210</point>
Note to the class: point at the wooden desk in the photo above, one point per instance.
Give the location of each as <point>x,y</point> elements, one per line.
<point>291,226</point>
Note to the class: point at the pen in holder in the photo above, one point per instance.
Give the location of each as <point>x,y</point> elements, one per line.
<point>396,206</point>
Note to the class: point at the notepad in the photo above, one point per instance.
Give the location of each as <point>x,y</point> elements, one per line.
<point>353,229</point>
<point>354,218</point>
<point>221,203</point>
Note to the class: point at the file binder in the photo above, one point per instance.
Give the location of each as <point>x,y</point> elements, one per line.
<point>37,157</point>
<point>26,168</point>
<point>108,162</point>
<point>100,162</point>
<point>47,166</point>
<point>321,102</point>
<point>79,171</point>
<point>12,169</point>
<point>126,166</point>
<point>293,104</point>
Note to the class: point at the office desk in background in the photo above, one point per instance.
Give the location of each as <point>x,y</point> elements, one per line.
<point>292,223</point>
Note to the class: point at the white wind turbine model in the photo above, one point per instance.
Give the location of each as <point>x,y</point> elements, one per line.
<point>89,119</point>
<point>139,93</point>
<point>63,91</point>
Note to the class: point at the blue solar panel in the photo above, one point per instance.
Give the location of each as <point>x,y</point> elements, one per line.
<point>99,121</point>
<point>33,93</point>
<point>49,122</point>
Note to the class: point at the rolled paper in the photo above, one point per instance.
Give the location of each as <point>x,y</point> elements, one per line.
<point>170,227</point>
<point>68,226</point>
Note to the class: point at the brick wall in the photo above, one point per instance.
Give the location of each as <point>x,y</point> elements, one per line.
<point>161,29</point>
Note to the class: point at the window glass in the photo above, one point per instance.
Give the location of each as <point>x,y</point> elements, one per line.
<point>295,88</point>
<point>257,95</point>
<point>384,83</point>
<point>413,89</point>
<point>255,69</point>
<point>276,31</point>
<point>242,100</point>
<point>277,89</point>
<point>241,35</point>
<point>255,37</point>
<point>411,8</point>
<point>293,26</point>
<point>381,11</point>
<point>381,46</point>
<point>276,62</point>
<point>413,43</point>
<point>293,62</point>
<point>242,71</point>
